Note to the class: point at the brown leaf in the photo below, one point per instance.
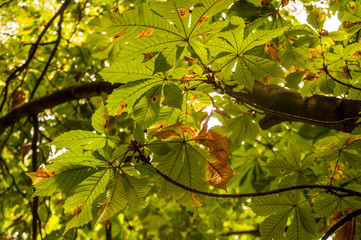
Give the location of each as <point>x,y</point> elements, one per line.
<point>18,97</point>
<point>272,50</point>
<point>183,12</point>
<point>347,231</point>
<point>144,33</point>
<point>265,3</point>
<point>40,175</point>
<point>166,134</point>
<point>78,209</point>
<point>221,173</point>
<point>285,3</point>
<point>25,149</point>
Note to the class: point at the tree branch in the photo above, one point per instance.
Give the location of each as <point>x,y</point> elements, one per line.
<point>36,106</point>
<point>31,54</point>
<point>57,41</point>
<point>280,104</point>
<point>341,223</point>
<point>255,233</point>
<point>328,188</point>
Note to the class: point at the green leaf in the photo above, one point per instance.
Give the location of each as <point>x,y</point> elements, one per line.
<point>80,203</point>
<point>124,97</point>
<point>293,156</point>
<point>67,176</point>
<point>128,72</point>
<point>173,96</point>
<point>147,109</point>
<point>99,119</point>
<point>259,38</point>
<point>76,138</point>
<point>116,199</point>
<point>302,226</point>
<point>273,227</point>
<point>136,190</point>
<point>324,205</point>
<point>269,204</point>
<point>316,18</point>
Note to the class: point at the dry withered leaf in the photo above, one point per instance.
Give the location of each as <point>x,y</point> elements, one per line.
<point>78,209</point>
<point>166,134</point>
<point>144,33</point>
<point>220,173</point>
<point>272,50</point>
<point>18,97</point>
<point>347,231</point>
<point>119,35</point>
<point>202,19</point>
<point>285,3</point>
<point>123,105</point>
<point>40,175</point>
<point>183,12</point>
<point>171,131</point>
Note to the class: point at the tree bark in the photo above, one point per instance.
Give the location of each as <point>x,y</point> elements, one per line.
<point>277,103</point>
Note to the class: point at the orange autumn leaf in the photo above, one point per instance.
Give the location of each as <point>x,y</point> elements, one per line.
<point>202,19</point>
<point>119,35</point>
<point>272,50</point>
<point>78,209</point>
<point>40,175</point>
<point>123,105</point>
<point>144,33</point>
<point>183,12</point>
<point>18,97</point>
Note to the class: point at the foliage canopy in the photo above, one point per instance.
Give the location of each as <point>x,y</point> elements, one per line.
<point>135,154</point>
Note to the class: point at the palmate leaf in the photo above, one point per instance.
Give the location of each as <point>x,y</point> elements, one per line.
<point>80,203</point>
<point>136,190</point>
<point>77,155</point>
<point>76,138</point>
<point>273,227</point>
<point>173,95</point>
<point>324,205</point>
<point>293,156</point>
<point>115,200</point>
<point>133,22</point>
<point>258,38</point>
<point>186,165</point>
<point>99,119</point>
<point>146,110</point>
<point>127,72</point>
<point>267,205</point>
<point>124,97</point>
<point>66,177</point>
<point>302,226</point>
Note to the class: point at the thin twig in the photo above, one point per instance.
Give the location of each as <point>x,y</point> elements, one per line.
<point>57,41</point>
<point>31,54</point>
<point>338,81</point>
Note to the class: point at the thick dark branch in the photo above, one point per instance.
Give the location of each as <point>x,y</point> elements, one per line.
<point>36,106</point>
<point>341,223</point>
<point>280,104</point>
<point>31,54</point>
